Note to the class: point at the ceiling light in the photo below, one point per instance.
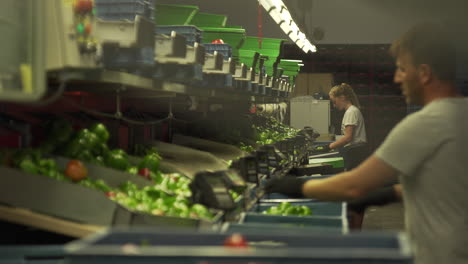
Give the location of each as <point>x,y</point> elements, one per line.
<point>292,60</point>
<point>280,14</point>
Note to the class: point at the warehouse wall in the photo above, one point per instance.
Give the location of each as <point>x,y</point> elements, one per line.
<point>370,21</point>
<point>381,21</point>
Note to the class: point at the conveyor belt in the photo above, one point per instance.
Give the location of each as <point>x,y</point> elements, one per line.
<point>188,161</point>
<point>46,222</point>
<point>223,151</point>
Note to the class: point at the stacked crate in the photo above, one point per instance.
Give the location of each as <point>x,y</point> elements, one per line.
<point>124,9</point>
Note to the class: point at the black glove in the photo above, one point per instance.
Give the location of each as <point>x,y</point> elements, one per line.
<point>287,185</point>
<point>382,196</point>
<point>324,148</point>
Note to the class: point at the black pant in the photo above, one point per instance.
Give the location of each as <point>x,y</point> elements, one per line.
<point>355,154</point>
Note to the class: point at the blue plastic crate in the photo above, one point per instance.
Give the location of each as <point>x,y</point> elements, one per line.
<point>296,221</point>
<point>124,9</point>
<point>177,247</point>
<point>254,88</point>
<point>224,49</point>
<point>278,228</point>
<point>216,80</point>
<point>329,209</point>
<point>191,33</point>
<point>261,89</point>
<point>324,214</point>
<point>50,254</point>
<point>134,60</point>
<point>188,74</point>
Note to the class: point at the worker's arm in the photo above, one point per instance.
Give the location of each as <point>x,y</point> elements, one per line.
<point>345,186</point>
<point>379,197</point>
<point>353,184</point>
<point>347,138</point>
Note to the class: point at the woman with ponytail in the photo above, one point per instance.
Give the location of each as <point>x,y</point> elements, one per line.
<point>353,129</point>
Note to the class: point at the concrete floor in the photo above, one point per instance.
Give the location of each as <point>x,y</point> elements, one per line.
<point>384,218</point>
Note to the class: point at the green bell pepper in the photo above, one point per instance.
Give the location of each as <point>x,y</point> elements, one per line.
<point>101,131</point>
<point>117,159</point>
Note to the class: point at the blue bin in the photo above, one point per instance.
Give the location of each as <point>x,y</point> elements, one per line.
<point>279,229</point>
<point>50,254</point>
<point>317,208</point>
<point>177,247</point>
<point>115,10</point>
<point>324,214</point>
<point>138,61</point>
<point>295,221</point>
<point>224,49</point>
<point>191,33</point>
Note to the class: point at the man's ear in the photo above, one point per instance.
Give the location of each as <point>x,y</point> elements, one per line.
<point>425,73</point>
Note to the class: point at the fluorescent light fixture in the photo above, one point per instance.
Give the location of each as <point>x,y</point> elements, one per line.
<point>268,5</point>
<point>311,46</point>
<point>285,15</point>
<point>294,27</point>
<point>300,64</point>
<point>293,36</point>
<point>292,60</point>
<point>275,14</point>
<point>300,43</point>
<point>278,3</point>
<point>301,36</point>
<point>280,14</point>
<point>285,27</point>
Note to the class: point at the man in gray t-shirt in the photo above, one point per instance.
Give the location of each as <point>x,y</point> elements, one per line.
<point>427,151</point>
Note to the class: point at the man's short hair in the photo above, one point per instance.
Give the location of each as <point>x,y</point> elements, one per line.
<point>429,44</point>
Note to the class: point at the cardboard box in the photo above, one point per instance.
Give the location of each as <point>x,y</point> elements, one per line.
<point>311,83</point>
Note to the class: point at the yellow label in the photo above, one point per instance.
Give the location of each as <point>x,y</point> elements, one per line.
<point>26,77</point>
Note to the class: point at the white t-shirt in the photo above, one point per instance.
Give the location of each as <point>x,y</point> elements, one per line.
<point>353,117</point>
<point>430,150</point>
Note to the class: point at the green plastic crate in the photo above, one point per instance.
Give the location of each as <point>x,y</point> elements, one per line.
<point>233,36</point>
<point>246,56</point>
<point>290,65</point>
<point>270,46</point>
<point>269,66</point>
<point>290,72</point>
<point>291,68</point>
<point>335,162</point>
<point>174,14</point>
<point>208,20</point>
